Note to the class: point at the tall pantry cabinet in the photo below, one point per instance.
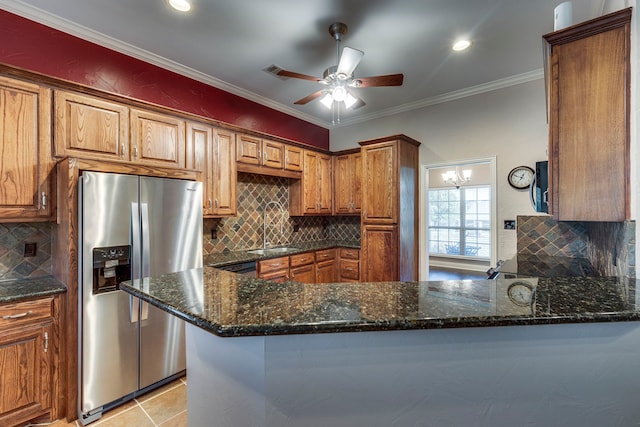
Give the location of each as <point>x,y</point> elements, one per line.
<point>389,233</point>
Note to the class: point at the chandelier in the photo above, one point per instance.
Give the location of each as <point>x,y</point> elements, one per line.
<point>454,178</point>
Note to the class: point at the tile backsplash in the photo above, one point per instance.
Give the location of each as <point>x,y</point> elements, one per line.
<point>609,246</point>
<point>245,231</point>
<point>13,263</point>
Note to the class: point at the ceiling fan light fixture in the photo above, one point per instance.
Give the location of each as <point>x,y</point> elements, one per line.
<point>339,93</point>
<point>181,5</point>
<point>327,100</point>
<point>349,100</point>
<point>461,45</point>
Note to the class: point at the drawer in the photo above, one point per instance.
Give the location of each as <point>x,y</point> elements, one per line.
<point>348,253</point>
<point>25,312</point>
<point>325,255</point>
<point>349,269</point>
<point>302,259</point>
<point>274,264</point>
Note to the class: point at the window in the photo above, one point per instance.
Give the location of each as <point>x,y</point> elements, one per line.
<point>460,221</point>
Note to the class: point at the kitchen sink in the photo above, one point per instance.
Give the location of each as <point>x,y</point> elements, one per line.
<point>269,251</point>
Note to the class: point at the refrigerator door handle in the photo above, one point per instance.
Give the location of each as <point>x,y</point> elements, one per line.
<point>146,256</point>
<point>133,309</point>
<point>135,241</point>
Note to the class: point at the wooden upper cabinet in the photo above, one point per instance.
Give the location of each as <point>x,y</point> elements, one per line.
<point>589,140</point>
<point>293,158</point>
<point>212,152</point>
<point>347,172</point>
<point>86,126</point>
<point>313,194</point>
<point>272,154</point>
<point>157,139</point>
<point>27,184</point>
<point>249,149</point>
<point>380,174</point>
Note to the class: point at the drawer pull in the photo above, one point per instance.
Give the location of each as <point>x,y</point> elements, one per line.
<point>349,269</point>
<point>17,316</point>
<point>275,265</point>
<point>46,341</point>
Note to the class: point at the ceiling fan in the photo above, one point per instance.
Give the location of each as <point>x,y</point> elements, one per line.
<point>339,79</point>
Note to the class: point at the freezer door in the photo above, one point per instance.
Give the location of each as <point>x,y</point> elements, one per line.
<point>171,228</point>
<point>108,352</point>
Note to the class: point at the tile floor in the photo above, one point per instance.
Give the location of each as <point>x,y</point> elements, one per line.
<point>163,407</point>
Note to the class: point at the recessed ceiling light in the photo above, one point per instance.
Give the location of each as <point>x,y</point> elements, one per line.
<point>181,5</point>
<point>461,45</point>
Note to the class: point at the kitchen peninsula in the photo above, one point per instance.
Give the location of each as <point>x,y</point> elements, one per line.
<point>404,353</point>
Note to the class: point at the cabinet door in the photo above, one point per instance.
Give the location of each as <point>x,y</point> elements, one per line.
<point>157,139</point>
<point>26,168</point>
<point>277,276</point>
<point>356,182</point>
<point>324,184</point>
<point>224,173</point>
<point>589,125</point>
<point>199,157</point>
<point>292,158</point>
<point>349,270</point>
<point>248,150</point>
<point>380,183</point>
<point>304,274</point>
<point>25,383</point>
<point>379,253</point>
<point>310,183</point>
<point>89,127</point>
<point>326,272</point>
<point>342,183</point>
<point>272,154</point>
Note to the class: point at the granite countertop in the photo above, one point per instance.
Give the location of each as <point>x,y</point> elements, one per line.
<point>222,259</point>
<point>229,304</point>
<point>23,289</point>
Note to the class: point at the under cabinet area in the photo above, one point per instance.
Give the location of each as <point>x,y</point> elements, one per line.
<point>27,352</point>
<point>589,107</point>
<point>27,183</point>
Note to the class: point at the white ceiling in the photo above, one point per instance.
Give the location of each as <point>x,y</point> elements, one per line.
<point>228,43</point>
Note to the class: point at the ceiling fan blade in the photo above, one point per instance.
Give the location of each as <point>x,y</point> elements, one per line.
<point>359,103</point>
<point>279,72</point>
<point>309,98</point>
<point>388,80</point>
<point>349,60</point>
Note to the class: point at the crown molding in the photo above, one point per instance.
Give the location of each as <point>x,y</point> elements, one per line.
<point>447,97</point>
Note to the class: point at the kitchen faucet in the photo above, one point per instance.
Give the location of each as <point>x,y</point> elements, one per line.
<point>264,220</point>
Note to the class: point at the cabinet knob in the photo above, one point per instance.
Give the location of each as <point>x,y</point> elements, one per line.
<point>46,341</point>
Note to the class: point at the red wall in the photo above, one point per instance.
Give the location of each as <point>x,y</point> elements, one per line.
<point>35,47</point>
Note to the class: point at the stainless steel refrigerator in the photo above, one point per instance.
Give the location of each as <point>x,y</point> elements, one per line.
<point>130,228</point>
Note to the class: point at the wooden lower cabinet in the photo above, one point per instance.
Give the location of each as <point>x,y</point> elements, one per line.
<point>349,267</point>
<point>380,253</point>
<point>326,266</point>
<point>303,268</point>
<point>275,269</point>
<point>27,362</point>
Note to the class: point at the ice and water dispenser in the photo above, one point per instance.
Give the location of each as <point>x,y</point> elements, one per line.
<point>111,265</point>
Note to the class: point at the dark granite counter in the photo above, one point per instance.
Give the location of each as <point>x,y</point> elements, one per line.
<point>23,289</point>
<point>228,304</point>
<point>222,259</point>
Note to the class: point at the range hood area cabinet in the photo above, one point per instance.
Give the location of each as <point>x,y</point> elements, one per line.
<point>589,104</point>
<point>27,178</point>
<point>389,225</point>
<point>312,194</point>
<point>212,152</point>
<point>263,156</point>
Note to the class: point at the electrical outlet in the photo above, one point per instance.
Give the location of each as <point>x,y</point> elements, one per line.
<point>509,224</point>
<point>30,249</point>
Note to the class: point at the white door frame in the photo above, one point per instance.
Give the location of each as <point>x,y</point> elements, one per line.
<point>424,186</point>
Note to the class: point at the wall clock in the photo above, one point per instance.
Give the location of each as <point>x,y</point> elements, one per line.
<point>520,177</point>
<point>520,293</point>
